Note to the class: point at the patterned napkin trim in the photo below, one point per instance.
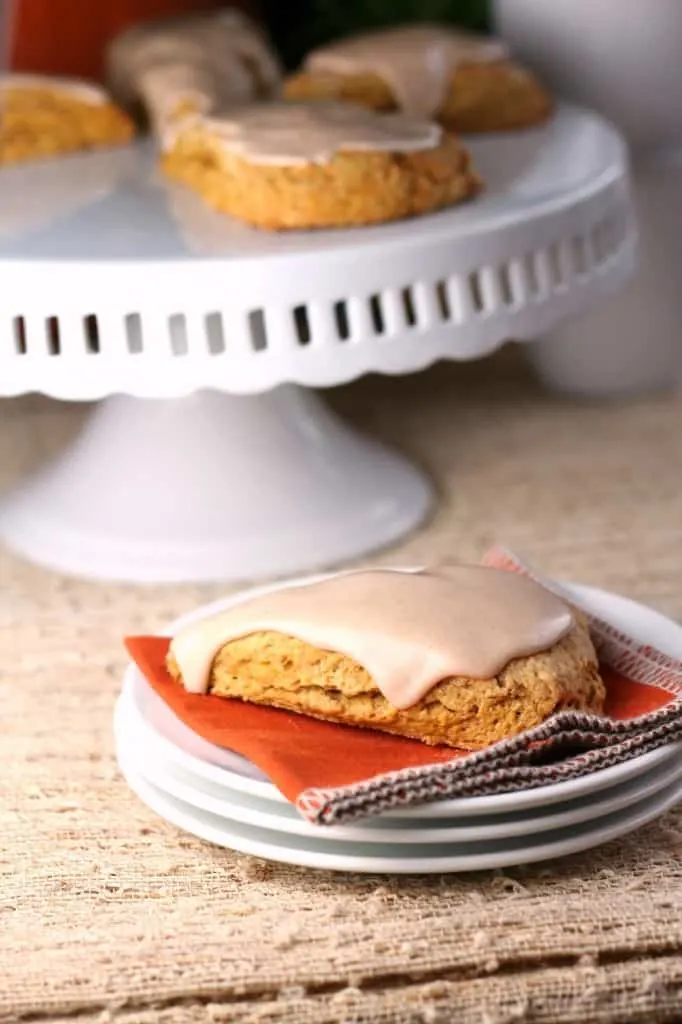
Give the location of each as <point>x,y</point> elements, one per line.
<point>522,761</point>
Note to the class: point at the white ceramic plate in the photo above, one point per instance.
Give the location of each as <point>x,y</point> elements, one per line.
<point>188,752</point>
<point>148,761</point>
<point>389,857</point>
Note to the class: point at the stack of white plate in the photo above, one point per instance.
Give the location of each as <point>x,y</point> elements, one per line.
<point>223,798</point>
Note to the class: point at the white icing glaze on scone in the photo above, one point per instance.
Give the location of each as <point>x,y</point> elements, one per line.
<point>175,91</point>
<point>408,630</point>
<point>86,92</point>
<point>415,61</point>
<point>296,134</point>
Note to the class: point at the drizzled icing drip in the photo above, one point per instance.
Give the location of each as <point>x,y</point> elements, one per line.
<point>290,134</point>
<point>415,61</point>
<point>408,630</point>
<point>199,63</point>
<point>173,94</point>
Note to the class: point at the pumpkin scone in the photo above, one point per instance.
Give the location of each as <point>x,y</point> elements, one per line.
<point>462,656</point>
<point>286,166</point>
<point>43,117</point>
<point>469,83</point>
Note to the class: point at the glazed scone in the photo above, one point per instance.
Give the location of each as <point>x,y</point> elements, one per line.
<point>44,117</point>
<point>468,83</point>
<point>281,670</point>
<point>300,166</point>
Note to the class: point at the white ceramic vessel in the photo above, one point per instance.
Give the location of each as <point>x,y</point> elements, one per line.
<point>622,58</point>
<point>138,294</point>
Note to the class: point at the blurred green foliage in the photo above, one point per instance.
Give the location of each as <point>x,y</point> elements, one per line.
<point>298,25</point>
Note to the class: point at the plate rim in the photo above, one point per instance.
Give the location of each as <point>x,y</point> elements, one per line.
<point>457,806</point>
<point>626,823</point>
<point>653,781</point>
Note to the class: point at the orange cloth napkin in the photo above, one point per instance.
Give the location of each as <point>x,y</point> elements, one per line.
<point>299,753</point>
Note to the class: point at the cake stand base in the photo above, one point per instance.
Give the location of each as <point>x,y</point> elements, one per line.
<point>212,487</point>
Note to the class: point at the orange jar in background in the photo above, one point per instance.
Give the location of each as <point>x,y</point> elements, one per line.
<point>68,37</point>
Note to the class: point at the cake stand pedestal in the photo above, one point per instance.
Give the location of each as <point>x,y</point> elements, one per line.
<point>166,490</point>
<point>207,459</point>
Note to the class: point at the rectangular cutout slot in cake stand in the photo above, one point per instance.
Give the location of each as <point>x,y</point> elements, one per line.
<point>543,274</point>
<point>556,267</point>
<point>531,275</point>
<point>133,329</point>
<point>341,320</point>
<point>427,308</point>
<point>302,325</point>
<point>53,336</point>
<point>394,311</point>
<point>215,333</point>
<point>91,334</point>
<point>377,314</point>
<point>491,290</point>
<point>505,283</point>
<point>443,301</point>
<point>409,307</point>
<point>460,299</point>
<point>519,282</point>
<point>257,332</point>
<point>19,332</point>
<point>476,292</point>
<point>360,319</point>
<point>177,328</point>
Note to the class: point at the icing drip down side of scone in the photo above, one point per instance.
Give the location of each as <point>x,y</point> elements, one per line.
<point>416,61</point>
<point>410,631</point>
<point>299,134</point>
<point>195,63</point>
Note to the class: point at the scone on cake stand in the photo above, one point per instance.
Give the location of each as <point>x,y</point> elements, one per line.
<point>466,82</point>
<point>283,166</point>
<point>622,59</point>
<point>209,456</point>
<point>45,117</point>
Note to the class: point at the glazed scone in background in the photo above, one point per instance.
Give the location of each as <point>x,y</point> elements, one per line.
<point>203,62</point>
<point>468,83</point>
<point>328,165</point>
<point>44,117</point>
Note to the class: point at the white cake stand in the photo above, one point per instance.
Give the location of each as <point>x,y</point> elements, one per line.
<point>207,458</point>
